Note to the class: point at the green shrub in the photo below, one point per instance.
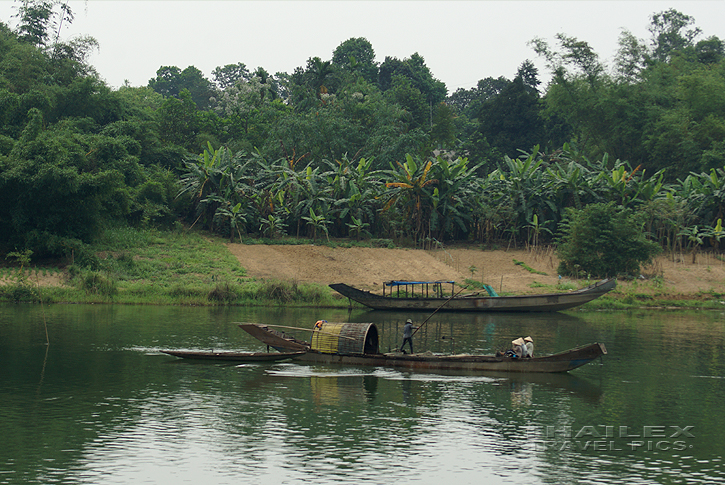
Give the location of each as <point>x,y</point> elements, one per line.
<point>97,283</point>
<point>528,268</point>
<point>382,243</point>
<point>222,292</point>
<point>472,284</point>
<point>603,240</point>
<point>84,257</point>
<point>311,293</point>
<point>187,291</point>
<point>282,291</point>
<point>20,292</point>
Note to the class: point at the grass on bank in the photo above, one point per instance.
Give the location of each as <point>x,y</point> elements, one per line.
<point>155,267</point>
<point>191,268</point>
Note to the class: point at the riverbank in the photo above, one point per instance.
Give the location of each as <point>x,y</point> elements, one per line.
<point>669,281</point>
<point>198,269</point>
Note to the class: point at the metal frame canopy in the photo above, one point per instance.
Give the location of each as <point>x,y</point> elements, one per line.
<point>424,285</point>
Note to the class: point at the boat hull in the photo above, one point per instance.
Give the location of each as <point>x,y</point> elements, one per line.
<point>462,363</point>
<point>469,364</point>
<point>550,302</point>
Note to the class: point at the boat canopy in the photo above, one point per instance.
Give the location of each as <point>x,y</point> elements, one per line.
<point>345,338</point>
<point>424,288</point>
<point>403,283</point>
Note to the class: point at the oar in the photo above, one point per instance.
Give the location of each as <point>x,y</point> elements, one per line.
<point>436,311</point>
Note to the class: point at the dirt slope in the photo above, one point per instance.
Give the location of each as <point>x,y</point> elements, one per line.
<point>367,268</point>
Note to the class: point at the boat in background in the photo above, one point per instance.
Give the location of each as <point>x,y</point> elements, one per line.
<point>471,302</point>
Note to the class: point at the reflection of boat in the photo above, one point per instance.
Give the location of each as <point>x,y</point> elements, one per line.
<point>233,356</point>
<point>570,383</point>
<point>473,302</point>
<point>357,344</point>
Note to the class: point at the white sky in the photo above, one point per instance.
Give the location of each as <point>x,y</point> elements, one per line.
<point>461,41</point>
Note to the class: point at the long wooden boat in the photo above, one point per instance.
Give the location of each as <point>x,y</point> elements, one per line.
<point>474,302</point>
<point>357,344</point>
<point>233,356</point>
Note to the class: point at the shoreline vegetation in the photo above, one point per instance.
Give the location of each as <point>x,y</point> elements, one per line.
<point>595,173</point>
<point>180,267</point>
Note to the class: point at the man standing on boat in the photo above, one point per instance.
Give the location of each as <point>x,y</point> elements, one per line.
<point>408,335</point>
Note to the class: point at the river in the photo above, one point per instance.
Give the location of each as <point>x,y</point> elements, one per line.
<point>100,404</point>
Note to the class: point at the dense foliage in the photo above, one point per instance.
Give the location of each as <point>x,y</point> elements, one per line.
<point>604,240</point>
<point>348,147</point>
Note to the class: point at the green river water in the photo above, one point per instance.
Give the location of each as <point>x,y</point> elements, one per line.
<point>102,405</point>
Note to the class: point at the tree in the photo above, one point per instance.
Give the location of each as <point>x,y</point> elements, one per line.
<point>179,121</point>
<point>443,131</point>
<point>57,182</point>
<point>317,221</point>
<point>318,73</point>
<point>403,93</point>
<point>576,54</point>
<point>603,240</point>
<point>244,106</point>
<point>229,75</point>
<point>36,19</point>
<point>710,50</point>
<point>510,121</point>
<point>670,33</point>
<point>529,75</point>
<point>170,81</point>
<point>575,97</point>
<point>687,133</point>
<point>356,55</point>
<point>632,57</point>
<point>419,75</point>
<point>167,81</point>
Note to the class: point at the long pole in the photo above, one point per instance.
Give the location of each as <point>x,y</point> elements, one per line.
<point>45,323</point>
<point>436,311</point>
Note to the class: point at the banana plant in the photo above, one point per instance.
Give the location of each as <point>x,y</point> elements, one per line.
<point>520,185</point>
<point>708,199</point>
<point>568,184</point>
<point>273,226</point>
<point>630,188</point>
<point>217,180</point>
<point>714,234</point>
<point>535,230</point>
<point>353,190</point>
<point>696,237</point>
<point>317,222</point>
<point>233,214</point>
<point>453,197</point>
<point>410,192</point>
<point>357,227</point>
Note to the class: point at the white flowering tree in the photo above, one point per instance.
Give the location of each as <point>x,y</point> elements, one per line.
<point>246,108</point>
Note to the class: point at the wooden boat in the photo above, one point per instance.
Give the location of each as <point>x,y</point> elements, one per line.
<point>472,302</point>
<point>233,356</point>
<point>357,344</point>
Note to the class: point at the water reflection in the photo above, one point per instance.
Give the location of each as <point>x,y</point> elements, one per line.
<point>100,405</point>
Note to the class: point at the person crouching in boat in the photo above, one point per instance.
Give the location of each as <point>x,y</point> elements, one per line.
<point>529,346</point>
<point>408,335</point>
<point>519,347</point>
